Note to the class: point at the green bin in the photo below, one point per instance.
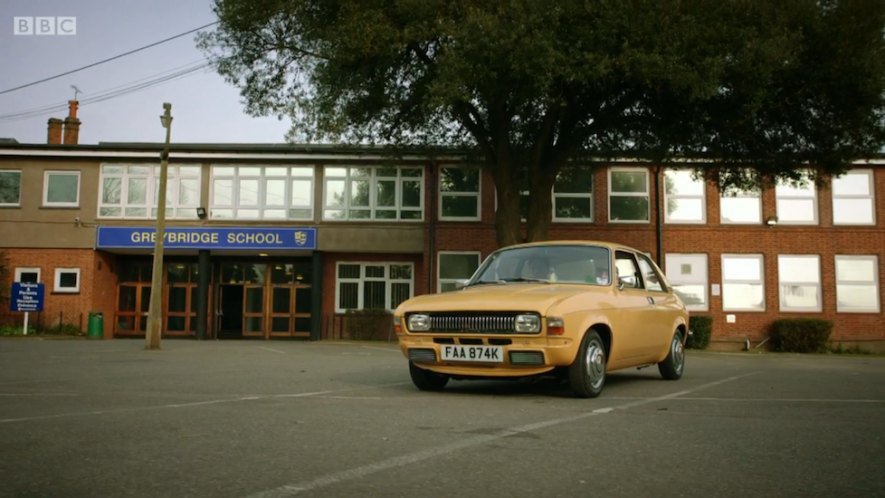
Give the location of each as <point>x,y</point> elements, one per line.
<point>95,327</point>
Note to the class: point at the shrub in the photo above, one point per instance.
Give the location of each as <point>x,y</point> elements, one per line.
<point>367,324</point>
<point>701,328</point>
<point>800,335</point>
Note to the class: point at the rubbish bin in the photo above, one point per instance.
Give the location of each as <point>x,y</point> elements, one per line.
<point>95,325</point>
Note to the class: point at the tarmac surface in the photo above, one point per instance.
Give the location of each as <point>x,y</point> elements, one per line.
<point>280,418</point>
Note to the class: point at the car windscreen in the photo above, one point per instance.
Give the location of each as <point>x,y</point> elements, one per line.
<point>555,263</point>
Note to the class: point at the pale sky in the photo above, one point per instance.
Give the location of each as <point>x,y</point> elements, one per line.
<point>205,108</point>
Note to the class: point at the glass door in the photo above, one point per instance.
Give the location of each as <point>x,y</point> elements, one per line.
<point>133,297</point>
<point>181,299</point>
<point>291,299</point>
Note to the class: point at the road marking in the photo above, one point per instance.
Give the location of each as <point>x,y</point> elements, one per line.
<point>272,350</point>
<point>411,458</point>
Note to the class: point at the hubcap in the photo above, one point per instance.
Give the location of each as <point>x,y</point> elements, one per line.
<point>678,353</point>
<point>595,363</point>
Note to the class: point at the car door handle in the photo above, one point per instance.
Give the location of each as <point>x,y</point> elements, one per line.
<point>651,300</point>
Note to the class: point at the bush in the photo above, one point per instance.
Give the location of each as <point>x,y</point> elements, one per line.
<point>368,324</point>
<point>800,335</point>
<point>701,328</point>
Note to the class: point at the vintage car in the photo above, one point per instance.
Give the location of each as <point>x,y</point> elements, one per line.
<point>547,308</point>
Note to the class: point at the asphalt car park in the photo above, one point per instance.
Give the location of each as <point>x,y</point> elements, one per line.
<point>274,418</point>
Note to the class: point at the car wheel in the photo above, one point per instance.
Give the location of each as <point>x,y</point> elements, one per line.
<point>587,374</point>
<point>674,364</point>
<point>426,380</point>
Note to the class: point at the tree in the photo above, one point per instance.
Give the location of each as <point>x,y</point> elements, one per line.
<point>535,87</point>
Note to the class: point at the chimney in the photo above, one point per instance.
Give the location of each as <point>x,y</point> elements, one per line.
<point>72,124</point>
<point>53,133</point>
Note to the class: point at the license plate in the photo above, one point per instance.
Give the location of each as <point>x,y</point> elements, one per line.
<point>485,354</point>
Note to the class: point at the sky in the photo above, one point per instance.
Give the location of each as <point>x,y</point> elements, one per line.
<point>205,108</point>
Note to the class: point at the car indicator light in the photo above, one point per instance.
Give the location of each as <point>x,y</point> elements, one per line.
<point>555,326</point>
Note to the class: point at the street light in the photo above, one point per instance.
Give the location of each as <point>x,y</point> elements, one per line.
<point>155,312</point>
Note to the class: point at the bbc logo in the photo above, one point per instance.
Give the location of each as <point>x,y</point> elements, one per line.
<point>45,26</point>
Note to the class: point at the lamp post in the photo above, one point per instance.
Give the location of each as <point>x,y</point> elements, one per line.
<point>155,311</point>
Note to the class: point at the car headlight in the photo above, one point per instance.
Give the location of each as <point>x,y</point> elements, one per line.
<point>419,322</point>
<point>527,324</point>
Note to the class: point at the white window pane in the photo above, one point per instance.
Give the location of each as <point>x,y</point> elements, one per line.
<point>741,269</point>
<point>798,269</point>
<point>685,209</point>
<point>248,192</point>
<point>222,192</point>
<point>742,296</point>
<point>62,188</point>
<point>857,298</point>
<point>852,184</point>
<point>740,210</point>
<point>801,210</point>
<point>692,295</point>
<point>301,192</point>
<point>111,191</point>
<point>680,182</point>
<point>189,192</point>
<point>800,296</point>
<point>853,211</point>
<point>275,193</point>
<point>855,270</point>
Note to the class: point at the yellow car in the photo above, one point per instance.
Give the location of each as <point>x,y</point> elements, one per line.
<point>573,308</point>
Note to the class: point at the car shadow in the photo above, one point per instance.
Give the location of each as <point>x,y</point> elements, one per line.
<point>547,386</point>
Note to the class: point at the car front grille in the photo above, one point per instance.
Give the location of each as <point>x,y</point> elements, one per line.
<point>422,355</point>
<point>485,323</point>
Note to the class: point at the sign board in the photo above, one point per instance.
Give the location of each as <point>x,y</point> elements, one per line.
<point>26,296</point>
<point>243,238</point>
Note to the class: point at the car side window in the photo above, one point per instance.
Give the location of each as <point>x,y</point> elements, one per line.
<point>628,273</point>
<point>652,279</point>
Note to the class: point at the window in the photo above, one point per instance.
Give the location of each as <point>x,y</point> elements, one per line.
<point>10,188</point>
<point>796,204</point>
<point>67,280</point>
<point>740,207</point>
<point>459,193</point>
<point>853,202</point>
<point>688,275</point>
<point>61,188</point>
<point>653,281</point>
<point>573,195</point>
<point>857,284</point>
<point>372,285</point>
<point>742,286</point>
<point>454,267</point>
<point>27,275</point>
<point>799,282</point>
<point>628,195</point>
<point>627,270</point>
<point>262,192</point>
<point>373,193</point>
<point>683,197</point>
<point>132,191</point>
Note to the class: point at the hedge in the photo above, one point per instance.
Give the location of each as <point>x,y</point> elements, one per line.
<point>701,328</point>
<point>800,335</point>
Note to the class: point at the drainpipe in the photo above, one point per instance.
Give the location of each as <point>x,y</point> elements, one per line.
<point>659,221</point>
<point>433,184</point>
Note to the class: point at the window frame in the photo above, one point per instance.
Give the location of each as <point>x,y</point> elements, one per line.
<point>439,264</point>
<point>760,281</point>
<point>784,191</point>
<point>741,194</point>
<point>443,195</point>
<point>27,269</point>
<point>574,195</point>
<point>870,196</point>
<point>57,287</point>
<point>874,282</point>
<point>373,178</point>
<point>701,259</point>
<point>18,201</point>
<point>363,278</point>
<point>175,209</point>
<point>676,197</point>
<point>262,207</point>
<point>782,305</point>
<point>46,181</point>
<point>646,195</point>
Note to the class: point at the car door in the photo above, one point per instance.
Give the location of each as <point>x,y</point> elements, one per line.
<point>664,306</point>
<point>633,326</point>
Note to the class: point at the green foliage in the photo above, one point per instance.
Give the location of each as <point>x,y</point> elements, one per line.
<point>368,324</point>
<point>64,329</point>
<point>800,335</point>
<point>701,328</point>
<point>533,86</point>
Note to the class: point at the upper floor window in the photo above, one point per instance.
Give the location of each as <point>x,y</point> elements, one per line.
<point>573,195</point>
<point>132,191</point>
<point>372,285</point>
<point>459,193</point>
<point>262,192</point>
<point>799,281</point>
<point>684,197</point>
<point>628,197</point>
<point>857,284</point>
<point>373,193</point>
<point>688,275</point>
<point>740,207</point>
<point>61,188</point>
<point>853,202</point>
<point>10,188</point>
<point>455,267</point>
<point>796,203</point>
<point>743,286</point>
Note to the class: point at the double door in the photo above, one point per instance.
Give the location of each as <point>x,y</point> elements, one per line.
<point>264,300</point>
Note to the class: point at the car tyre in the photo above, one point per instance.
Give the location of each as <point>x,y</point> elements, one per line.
<point>426,380</point>
<point>674,364</point>
<point>587,373</point>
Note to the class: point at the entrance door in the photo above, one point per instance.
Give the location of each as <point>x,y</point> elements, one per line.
<point>133,297</point>
<point>230,317</point>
